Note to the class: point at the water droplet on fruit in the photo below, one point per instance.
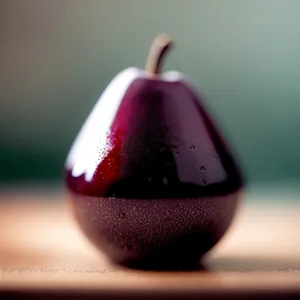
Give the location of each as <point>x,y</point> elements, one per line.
<point>204,182</point>
<point>192,147</point>
<point>127,247</point>
<point>165,180</point>
<point>121,215</point>
<point>202,169</point>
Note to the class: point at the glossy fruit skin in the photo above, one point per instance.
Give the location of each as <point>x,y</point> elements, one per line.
<point>165,186</point>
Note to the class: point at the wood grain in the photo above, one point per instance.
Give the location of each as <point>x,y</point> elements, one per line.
<point>43,253</point>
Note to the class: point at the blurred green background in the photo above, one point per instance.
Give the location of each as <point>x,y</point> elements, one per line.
<point>57,56</point>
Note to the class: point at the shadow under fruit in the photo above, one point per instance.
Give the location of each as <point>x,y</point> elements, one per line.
<point>150,177</point>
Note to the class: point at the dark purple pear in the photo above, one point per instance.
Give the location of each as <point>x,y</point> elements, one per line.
<point>151,180</point>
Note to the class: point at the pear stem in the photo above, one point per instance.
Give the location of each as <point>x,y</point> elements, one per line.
<point>160,46</point>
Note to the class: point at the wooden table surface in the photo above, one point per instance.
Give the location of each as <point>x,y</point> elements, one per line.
<point>44,255</point>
